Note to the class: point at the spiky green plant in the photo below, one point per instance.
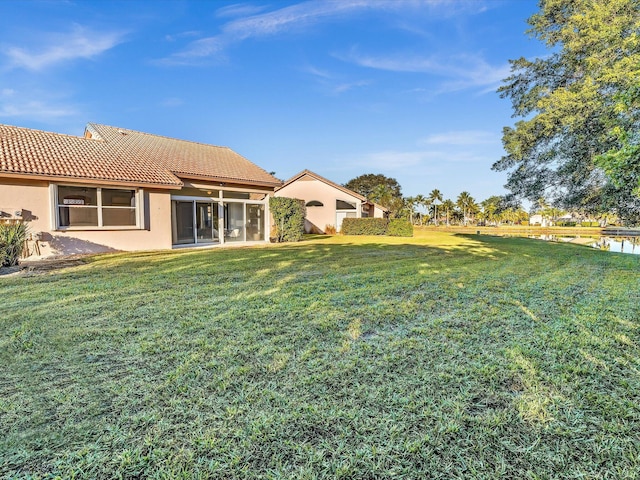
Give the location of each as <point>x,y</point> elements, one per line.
<point>12,240</point>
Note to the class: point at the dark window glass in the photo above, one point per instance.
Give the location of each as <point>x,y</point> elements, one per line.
<point>118,217</point>
<point>240,195</point>
<point>78,216</point>
<point>342,205</point>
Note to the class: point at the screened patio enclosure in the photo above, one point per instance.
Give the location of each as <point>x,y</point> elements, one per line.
<point>222,216</point>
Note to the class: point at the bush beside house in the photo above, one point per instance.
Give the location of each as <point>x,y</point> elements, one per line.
<point>288,219</point>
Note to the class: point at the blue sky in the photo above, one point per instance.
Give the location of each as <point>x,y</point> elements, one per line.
<point>343,88</point>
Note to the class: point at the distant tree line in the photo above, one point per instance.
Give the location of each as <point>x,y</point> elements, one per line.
<point>434,209</point>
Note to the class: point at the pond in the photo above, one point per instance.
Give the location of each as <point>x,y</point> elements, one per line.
<point>610,243</point>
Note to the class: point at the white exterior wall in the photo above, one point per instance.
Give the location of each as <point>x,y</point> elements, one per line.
<point>308,188</point>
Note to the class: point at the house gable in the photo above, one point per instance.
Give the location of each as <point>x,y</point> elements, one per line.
<point>327,202</point>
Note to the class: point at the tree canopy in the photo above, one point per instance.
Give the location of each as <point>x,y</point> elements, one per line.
<point>366,184</point>
<point>382,190</point>
<point>578,143</point>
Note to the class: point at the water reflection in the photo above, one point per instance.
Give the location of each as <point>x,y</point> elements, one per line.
<point>620,244</point>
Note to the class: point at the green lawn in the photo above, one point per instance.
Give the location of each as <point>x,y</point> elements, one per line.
<point>440,356</point>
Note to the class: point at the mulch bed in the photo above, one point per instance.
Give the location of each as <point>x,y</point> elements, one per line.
<point>34,267</point>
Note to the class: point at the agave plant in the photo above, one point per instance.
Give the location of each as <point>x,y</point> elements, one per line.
<point>12,241</point>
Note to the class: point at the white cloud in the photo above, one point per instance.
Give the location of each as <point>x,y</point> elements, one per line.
<point>177,36</point>
<point>417,161</point>
<point>316,72</point>
<point>80,43</point>
<point>34,104</point>
<point>344,87</point>
<point>462,137</point>
<point>172,102</point>
<point>461,71</point>
<point>480,74</point>
<point>34,109</point>
<point>239,10</point>
<point>395,159</point>
<point>333,84</point>
<point>300,16</point>
<point>395,63</point>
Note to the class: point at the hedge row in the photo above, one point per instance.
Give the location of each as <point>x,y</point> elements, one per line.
<point>377,226</point>
<point>400,228</point>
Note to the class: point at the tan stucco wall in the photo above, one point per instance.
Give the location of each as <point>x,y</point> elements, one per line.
<point>32,199</point>
<point>308,188</point>
<point>378,212</point>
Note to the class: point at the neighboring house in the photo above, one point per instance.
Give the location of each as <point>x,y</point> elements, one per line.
<point>538,219</point>
<point>118,189</point>
<point>543,221</point>
<point>327,203</point>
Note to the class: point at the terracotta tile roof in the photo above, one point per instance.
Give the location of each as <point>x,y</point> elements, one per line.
<point>122,156</point>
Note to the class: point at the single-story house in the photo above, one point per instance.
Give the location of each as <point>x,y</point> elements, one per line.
<point>119,189</point>
<point>538,219</point>
<point>327,202</point>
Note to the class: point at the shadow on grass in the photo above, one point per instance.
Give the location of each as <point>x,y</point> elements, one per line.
<point>447,356</point>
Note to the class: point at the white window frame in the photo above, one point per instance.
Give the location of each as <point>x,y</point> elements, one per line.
<point>55,206</point>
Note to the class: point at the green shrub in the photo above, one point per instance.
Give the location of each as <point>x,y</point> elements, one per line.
<point>400,228</point>
<point>590,224</point>
<point>566,224</point>
<point>288,218</point>
<point>12,238</point>
<point>364,226</point>
<point>377,226</point>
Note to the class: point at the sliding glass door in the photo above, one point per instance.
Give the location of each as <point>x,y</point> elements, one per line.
<point>255,222</point>
<point>207,222</point>
<point>194,222</point>
<point>244,222</point>
<point>182,213</point>
<point>200,221</point>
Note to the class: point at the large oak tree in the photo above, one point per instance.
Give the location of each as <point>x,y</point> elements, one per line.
<point>577,142</point>
<point>380,189</point>
<point>366,184</point>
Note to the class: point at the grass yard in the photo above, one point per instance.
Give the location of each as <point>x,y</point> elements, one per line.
<point>441,356</point>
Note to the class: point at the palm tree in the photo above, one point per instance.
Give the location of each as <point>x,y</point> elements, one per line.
<point>435,198</point>
<point>420,202</point>
<point>411,203</point>
<point>466,203</point>
<point>448,207</point>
